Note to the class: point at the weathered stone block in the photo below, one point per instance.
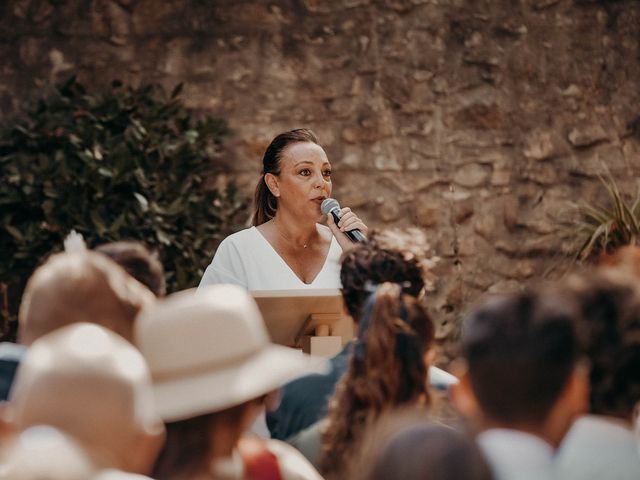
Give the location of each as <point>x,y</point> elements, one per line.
<point>478,116</point>
<point>388,210</point>
<point>586,135</point>
<point>472,175</point>
<point>543,173</point>
<point>384,156</point>
<point>540,145</point>
<point>511,212</point>
<point>500,177</point>
<point>486,226</point>
<point>598,161</point>
<point>353,158</point>
<point>430,213</point>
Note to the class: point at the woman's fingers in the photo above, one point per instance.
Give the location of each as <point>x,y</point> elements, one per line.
<point>350,221</point>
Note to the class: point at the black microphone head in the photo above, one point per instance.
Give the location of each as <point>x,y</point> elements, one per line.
<point>329,204</point>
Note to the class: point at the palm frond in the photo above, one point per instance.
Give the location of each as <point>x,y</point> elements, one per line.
<point>605,228</point>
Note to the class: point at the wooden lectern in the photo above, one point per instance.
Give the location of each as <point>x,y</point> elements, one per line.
<point>313,320</point>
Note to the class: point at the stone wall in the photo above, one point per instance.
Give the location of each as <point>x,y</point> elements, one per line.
<point>476,121</point>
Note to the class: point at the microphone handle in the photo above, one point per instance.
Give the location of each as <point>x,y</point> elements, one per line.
<point>355,235</point>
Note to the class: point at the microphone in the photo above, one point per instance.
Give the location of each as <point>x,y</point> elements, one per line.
<point>331,206</point>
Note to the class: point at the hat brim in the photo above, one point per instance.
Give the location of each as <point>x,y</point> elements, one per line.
<point>209,392</point>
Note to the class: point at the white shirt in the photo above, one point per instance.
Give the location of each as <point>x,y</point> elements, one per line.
<point>599,447</point>
<point>247,259</point>
<point>516,455</point>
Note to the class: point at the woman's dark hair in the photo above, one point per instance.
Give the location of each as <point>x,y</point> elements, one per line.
<point>387,370</point>
<point>265,203</point>
<point>521,350</point>
<point>188,444</point>
<point>139,262</point>
<point>609,335</point>
<point>427,450</point>
<point>368,264</point>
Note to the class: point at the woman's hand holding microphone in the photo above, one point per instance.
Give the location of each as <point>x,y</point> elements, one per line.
<point>345,225</point>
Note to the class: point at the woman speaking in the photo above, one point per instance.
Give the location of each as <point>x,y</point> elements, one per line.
<point>287,247</point>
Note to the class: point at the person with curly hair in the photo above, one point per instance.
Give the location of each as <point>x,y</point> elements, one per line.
<point>305,400</point>
<point>388,369</point>
<point>601,444</point>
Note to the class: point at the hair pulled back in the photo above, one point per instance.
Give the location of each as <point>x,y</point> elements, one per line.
<point>367,264</point>
<point>265,203</point>
<point>387,370</point>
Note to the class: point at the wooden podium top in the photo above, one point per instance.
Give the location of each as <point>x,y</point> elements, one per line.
<point>287,312</point>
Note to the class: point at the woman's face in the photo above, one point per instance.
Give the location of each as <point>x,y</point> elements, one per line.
<point>304,180</point>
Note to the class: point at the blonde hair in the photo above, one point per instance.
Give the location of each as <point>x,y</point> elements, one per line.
<point>80,287</point>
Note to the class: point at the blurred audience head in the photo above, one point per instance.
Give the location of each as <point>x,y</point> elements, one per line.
<point>388,369</point>
<point>80,287</point>
<point>523,364</point>
<point>625,259</point>
<point>89,382</point>
<point>404,446</point>
<point>609,335</point>
<point>368,265</point>
<point>139,262</point>
<point>44,453</point>
<point>212,364</point>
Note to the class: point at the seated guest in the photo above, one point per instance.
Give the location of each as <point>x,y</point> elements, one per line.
<point>92,384</point>
<point>524,385</point>
<point>388,369</point>
<point>213,364</point>
<point>423,450</point>
<point>80,287</point>
<point>602,444</point>
<point>68,288</point>
<point>44,453</point>
<point>139,262</point>
<point>305,400</point>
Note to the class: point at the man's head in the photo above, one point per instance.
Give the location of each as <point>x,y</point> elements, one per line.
<point>80,287</point>
<point>609,334</point>
<point>368,265</point>
<point>139,262</point>
<point>522,358</point>
<point>94,385</point>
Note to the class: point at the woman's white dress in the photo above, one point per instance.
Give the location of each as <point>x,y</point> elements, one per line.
<point>247,259</point>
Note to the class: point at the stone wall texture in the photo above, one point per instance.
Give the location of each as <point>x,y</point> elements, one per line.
<point>477,121</point>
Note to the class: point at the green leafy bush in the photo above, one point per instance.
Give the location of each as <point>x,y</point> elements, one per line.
<point>122,164</point>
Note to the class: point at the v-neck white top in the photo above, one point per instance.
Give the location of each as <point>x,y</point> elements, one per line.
<point>247,259</point>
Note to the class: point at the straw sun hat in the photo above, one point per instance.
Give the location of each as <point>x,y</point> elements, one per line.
<point>209,350</point>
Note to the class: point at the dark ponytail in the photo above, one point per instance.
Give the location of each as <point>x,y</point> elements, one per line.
<point>265,203</point>
<point>387,370</point>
